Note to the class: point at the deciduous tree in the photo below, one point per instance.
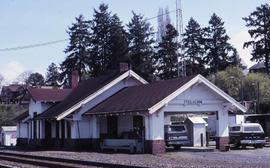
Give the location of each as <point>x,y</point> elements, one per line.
<point>35,79</point>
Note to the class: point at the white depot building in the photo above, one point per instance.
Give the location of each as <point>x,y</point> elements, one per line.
<point>120,109</point>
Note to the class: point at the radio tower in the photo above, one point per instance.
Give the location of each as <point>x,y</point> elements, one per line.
<point>181,69</point>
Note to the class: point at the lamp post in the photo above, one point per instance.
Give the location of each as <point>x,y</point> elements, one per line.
<point>242,89</point>
<point>257,87</point>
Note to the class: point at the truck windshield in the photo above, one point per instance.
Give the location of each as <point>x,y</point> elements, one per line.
<point>179,128</point>
<point>252,129</point>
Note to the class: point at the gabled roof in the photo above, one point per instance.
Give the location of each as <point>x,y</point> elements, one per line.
<point>197,120</point>
<point>22,116</point>
<point>139,98</point>
<point>260,65</point>
<point>13,87</point>
<point>151,97</point>
<point>8,128</point>
<point>85,92</point>
<point>48,94</point>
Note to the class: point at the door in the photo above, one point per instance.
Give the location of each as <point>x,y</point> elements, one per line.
<point>48,130</point>
<point>138,125</point>
<point>112,126</point>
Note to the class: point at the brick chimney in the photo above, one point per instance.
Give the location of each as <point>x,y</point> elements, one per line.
<point>74,79</point>
<point>123,67</point>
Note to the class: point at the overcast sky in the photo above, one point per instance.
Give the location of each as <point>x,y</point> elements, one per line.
<point>37,21</point>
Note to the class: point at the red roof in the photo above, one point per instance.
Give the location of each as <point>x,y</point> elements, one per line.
<point>48,94</point>
<point>83,90</point>
<point>139,98</point>
<point>13,87</point>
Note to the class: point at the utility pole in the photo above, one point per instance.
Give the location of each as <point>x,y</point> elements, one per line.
<point>181,65</point>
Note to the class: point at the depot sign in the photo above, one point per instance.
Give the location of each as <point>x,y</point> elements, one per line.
<point>193,102</point>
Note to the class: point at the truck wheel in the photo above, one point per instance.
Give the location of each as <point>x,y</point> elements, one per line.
<point>177,147</point>
<point>237,145</point>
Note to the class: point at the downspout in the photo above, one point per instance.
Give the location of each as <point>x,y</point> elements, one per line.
<point>79,136</point>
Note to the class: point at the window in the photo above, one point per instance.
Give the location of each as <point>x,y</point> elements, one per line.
<point>237,128</point>
<point>68,130</point>
<point>57,129</point>
<point>252,129</point>
<point>179,128</point>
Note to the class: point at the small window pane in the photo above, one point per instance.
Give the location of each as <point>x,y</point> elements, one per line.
<point>252,129</point>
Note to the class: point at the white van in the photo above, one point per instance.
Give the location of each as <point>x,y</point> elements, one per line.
<point>247,134</point>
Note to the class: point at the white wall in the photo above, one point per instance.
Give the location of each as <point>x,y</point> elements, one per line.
<point>154,126</point>
<point>81,129</point>
<point>38,107</point>
<point>211,101</point>
<point>199,129</point>
<point>22,130</point>
<point>10,138</point>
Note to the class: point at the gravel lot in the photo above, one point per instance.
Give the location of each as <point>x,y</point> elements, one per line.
<point>235,158</point>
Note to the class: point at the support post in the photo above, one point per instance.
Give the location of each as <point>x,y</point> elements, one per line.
<point>222,129</point>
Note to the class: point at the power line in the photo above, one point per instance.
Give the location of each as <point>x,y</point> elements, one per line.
<point>33,45</point>
<point>60,41</point>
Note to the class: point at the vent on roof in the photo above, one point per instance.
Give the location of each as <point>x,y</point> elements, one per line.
<point>75,79</point>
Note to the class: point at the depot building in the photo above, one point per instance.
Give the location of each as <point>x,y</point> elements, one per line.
<point>119,110</point>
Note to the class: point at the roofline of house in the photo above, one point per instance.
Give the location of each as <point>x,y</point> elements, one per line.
<point>128,73</point>
<point>196,79</point>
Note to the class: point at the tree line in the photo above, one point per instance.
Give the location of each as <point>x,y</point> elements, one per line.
<point>97,46</point>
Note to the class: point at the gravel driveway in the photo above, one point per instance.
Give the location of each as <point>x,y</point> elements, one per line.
<point>234,158</point>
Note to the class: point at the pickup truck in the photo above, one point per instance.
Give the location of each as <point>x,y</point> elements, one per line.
<point>176,135</point>
<point>247,134</point>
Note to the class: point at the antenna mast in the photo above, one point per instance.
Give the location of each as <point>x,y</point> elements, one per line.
<point>181,68</point>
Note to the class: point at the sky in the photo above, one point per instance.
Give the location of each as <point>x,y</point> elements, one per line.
<point>30,22</point>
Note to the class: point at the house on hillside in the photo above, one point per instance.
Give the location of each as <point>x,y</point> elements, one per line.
<point>258,67</point>
<point>12,94</point>
<point>120,110</point>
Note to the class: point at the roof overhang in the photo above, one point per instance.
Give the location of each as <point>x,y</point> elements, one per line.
<point>197,79</point>
<point>127,74</point>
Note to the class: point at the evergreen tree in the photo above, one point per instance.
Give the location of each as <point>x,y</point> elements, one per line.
<point>259,24</point>
<point>52,75</point>
<point>78,50</point>
<point>118,44</point>
<point>109,42</point>
<point>194,51</point>
<point>35,79</point>
<point>100,39</point>
<point>140,36</point>
<point>166,57</point>
<point>220,54</point>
